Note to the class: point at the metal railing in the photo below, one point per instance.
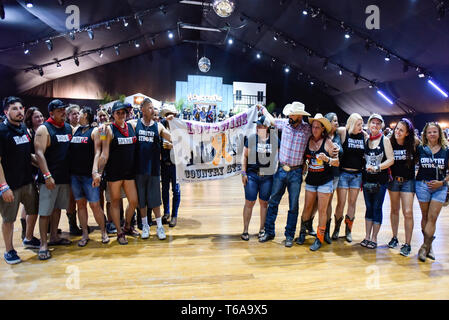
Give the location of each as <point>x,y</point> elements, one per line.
<point>249,100</point>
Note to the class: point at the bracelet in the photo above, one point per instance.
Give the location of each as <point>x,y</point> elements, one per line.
<point>4,189</point>
<point>243,173</point>
<point>3,184</point>
<point>47,175</point>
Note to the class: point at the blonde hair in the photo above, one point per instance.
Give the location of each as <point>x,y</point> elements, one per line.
<point>352,120</point>
<point>441,138</point>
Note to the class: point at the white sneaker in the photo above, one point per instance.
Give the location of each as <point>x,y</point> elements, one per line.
<point>145,232</point>
<point>161,233</point>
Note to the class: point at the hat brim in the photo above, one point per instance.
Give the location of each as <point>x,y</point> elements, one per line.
<point>327,125</point>
<point>121,108</point>
<point>297,113</point>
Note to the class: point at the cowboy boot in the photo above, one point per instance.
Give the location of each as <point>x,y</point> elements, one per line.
<point>348,230</point>
<point>337,228</point>
<point>327,237</point>
<point>302,233</point>
<point>73,228</point>
<point>425,248</point>
<point>430,255</point>
<point>309,227</point>
<point>319,239</point>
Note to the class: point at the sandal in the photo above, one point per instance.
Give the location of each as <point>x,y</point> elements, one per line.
<point>245,236</point>
<point>60,242</point>
<point>105,239</point>
<point>44,254</point>
<point>364,243</point>
<point>83,242</point>
<point>371,245</point>
<point>121,239</point>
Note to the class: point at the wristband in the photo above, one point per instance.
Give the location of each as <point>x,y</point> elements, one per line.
<point>243,173</point>
<point>47,175</point>
<point>4,189</point>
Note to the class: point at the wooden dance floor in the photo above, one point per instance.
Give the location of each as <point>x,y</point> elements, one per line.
<point>203,257</point>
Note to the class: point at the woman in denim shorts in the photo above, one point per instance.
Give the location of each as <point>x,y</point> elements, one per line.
<point>351,165</point>
<point>402,185</point>
<point>319,180</point>
<point>258,167</point>
<point>431,183</point>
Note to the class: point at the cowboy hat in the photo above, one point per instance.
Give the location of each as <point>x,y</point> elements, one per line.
<point>295,108</point>
<point>326,123</point>
<point>168,108</point>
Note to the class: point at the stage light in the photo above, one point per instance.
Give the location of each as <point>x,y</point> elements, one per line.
<point>108,26</point>
<point>72,35</point>
<point>170,35</point>
<point>41,72</point>
<point>117,50</point>
<point>77,62</point>
<point>136,44</point>
<point>348,34</point>
<point>26,50</point>
<point>384,96</point>
<point>286,69</point>
<point>387,57</point>
<point>421,75</point>
<point>100,53</point>
<point>258,56</point>
<point>223,8</point>
<point>90,33</point>
<point>312,83</point>
<point>125,23</point>
<point>437,88</point>
<point>276,36</point>
<point>340,72</point>
<point>29,4</point>
<point>305,12</point>
<point>49,44</point>
<point>139,20</point>
<point>230,41</point>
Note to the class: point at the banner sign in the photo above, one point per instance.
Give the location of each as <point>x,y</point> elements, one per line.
<point>210,151</point>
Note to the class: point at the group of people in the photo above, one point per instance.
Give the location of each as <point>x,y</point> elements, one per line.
<point>346,160</point>
<point>74,158</point>
<point>202,115</point>
<point>52,165</point>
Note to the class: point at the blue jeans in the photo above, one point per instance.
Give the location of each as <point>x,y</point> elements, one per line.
<point>292,181</point>
<point>168,175</point>
<point>258,185</point>
<point>373,204</point>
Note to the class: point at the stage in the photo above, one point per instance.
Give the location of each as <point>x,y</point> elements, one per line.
<point>203,257</point>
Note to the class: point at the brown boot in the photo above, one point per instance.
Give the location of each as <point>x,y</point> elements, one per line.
<point>425,248</point>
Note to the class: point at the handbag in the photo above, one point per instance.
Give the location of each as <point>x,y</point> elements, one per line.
<point>371,187</point>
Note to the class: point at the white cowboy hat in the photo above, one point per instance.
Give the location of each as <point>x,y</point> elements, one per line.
<point>295,108</point>
<point>326,123</point>
<point>168,108</point>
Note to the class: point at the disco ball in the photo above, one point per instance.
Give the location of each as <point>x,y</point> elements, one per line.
<point>223,8</point>
<point>204,64</point>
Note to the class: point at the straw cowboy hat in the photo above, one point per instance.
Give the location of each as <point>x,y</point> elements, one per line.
<point>168,108</point>
<point>295,108</point>
<point>326,123</point>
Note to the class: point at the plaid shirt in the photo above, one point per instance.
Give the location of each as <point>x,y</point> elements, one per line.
<point>293,142</point>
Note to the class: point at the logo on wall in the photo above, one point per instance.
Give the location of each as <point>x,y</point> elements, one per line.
<point>196,97</point>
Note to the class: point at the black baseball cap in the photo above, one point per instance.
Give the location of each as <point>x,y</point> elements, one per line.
<point>56,104</point>
<point>263,121</point>
<point>119,106</point>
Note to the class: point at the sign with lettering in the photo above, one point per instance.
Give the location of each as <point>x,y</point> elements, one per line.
<point>197,97</point>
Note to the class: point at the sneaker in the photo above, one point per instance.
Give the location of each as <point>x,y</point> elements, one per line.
<point>34,243</point>
<point>110,228</point>
<point>289,242</point>
<point>405,250</point>
<point>266,237</point>
<point>145,231</point>
<point>393,243</point>
<point>161,233</point>
<point>11,257</point>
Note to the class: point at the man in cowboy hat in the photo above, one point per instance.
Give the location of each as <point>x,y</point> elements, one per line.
<point>295,134</point>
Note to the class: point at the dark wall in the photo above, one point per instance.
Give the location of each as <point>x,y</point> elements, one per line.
<point>156,72</point>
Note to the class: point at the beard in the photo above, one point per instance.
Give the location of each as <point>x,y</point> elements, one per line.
<point>292,122</point>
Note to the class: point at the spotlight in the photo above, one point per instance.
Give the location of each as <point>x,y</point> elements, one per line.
<point>170,35</point>
<point>312,83</point>
<point>72,35</point>
<point>437,88</point>
<point>125,23</point>
<point>309,52</point>
<point>100,53</point>
<point>305,12</point>
<point>347,35</point>
<point>384,96</point>
<point>41,72</point>
<point>230,41</point>
<point>273,59</point>
<point>421,75</point>
<point>90,32</point>
<point>340,72</point>
<point>49,44</point>
<point>286,69</point>
<point>29,4</point>
<point>387,57</point>
<point>108,26</point>
<point>77,62</point>
<point>139,20</point>
<point>258,56</point>
<point>117,50</point>
<point>26,50</point>
<point>371,85</point>
<point>276,36</point>
<point>136,44</point>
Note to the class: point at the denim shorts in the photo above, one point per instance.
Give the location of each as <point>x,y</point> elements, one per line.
<point>82,188</point>
<point>328,187</point>
<point>335,182</point>
<point>425,194</point>
<point>406,186</point>
<point>350,180</point>
<point>258,184</point>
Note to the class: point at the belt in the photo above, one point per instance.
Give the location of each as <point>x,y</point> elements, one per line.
<point>400,179</point>
<point>288,168</point>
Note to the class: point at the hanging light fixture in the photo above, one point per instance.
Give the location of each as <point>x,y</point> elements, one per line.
<point>49,44</point>
<point>223,8</point>
<point>204,64</point>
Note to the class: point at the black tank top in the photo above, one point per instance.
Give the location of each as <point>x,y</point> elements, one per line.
<point>319,172</point>
<point>120,164</point>
<point>400,167</point>
<point>148,149</point>
<point>432,167</point>
<point>337,140</point>
<point>353,151</point>
<point>57,153</point>
<point>82,153</point>
<point>374,157</point>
